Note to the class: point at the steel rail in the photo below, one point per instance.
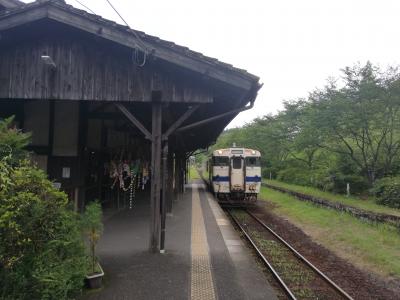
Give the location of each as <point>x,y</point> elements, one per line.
<point>264,259</point>
<point>302,258</point>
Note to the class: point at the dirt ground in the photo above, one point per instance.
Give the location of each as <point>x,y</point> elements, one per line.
<point>358,283</point>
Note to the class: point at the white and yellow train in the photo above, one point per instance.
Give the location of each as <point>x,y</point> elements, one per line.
<point>235,175</point>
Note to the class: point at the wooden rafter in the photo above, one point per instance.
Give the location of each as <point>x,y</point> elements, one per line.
<point>180,121</point>
<point>134,121</point>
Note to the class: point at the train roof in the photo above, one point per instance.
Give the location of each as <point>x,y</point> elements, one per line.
<point>236,150</point>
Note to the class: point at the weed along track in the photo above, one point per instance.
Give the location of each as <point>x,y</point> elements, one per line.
<point>296,275</point>
<point>359,213</point>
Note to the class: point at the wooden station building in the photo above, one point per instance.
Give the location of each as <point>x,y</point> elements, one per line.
<point>92,92</point>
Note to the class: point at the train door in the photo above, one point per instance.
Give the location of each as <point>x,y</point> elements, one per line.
<point>237,174</point>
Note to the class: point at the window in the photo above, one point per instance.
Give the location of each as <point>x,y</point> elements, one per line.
<point>221,161</point>
<point>253,162</point>
<point>237,162</point>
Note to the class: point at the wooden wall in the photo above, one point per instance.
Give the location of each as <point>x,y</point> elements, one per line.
<point>88,70</point>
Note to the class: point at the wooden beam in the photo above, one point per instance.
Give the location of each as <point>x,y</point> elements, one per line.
<point>179,122</point>
<point>22,17</point>
<point>99,108</point>
<point>104,115</point>
<point>134,121</point>
<point>11,3</point>
<point>217,117</point>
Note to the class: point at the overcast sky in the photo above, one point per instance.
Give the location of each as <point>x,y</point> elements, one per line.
<point>292,45</point>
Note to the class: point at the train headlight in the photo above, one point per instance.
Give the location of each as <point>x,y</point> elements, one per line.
<point>253,152</point>
<point>219,152</point>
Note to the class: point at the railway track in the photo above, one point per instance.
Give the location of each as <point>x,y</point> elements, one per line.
<point>297,276</point>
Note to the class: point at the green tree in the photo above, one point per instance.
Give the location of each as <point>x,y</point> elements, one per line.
<point>41,250</point>
<point>360,120</point>
<point>348,131</point>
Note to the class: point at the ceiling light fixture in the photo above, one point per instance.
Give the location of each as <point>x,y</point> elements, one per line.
<point>48,61</point>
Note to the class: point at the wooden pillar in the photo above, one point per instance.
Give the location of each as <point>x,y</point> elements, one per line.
<point>81,159</point>
<point>181,174</point>
<point>164,195</point>
<point>51,133</point>
<point>176,174</point>
<point>187,171</point>
<point>155,177</point>
<point>100,171</point>
<point>177,177</point>
<point>170,182</point>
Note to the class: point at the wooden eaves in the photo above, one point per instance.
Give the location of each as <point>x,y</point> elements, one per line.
<point>11,3</point>
<point>123,35</point>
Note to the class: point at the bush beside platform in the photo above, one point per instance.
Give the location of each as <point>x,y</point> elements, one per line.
<point>93,228</point>
<point>42,252</point>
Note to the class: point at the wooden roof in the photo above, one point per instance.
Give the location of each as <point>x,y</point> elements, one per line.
<point>242,86</point>
<point>19,13</point>
<point>10,3</point>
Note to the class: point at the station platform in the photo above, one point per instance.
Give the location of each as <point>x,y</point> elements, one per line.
<point>204,256</point>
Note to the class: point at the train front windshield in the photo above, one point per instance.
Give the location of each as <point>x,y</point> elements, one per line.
<point>253,162</point>
<point>237,163</point>
<point>221,161</point>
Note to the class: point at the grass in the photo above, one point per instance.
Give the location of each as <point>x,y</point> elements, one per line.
<point>205,174</point>
<point>367,204</point>
<point>193,174</point>
<point>372,247</point>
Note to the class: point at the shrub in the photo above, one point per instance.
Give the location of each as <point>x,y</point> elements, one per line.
<point>12,142</point>
<point>93,227</point>
<point>42,254</point>
<point>358,184</point>
<point>41,250</point>
<point>296,176</point>
<point>387,191</point>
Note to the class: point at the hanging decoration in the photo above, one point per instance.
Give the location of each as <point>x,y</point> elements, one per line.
<point>128,174</point>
